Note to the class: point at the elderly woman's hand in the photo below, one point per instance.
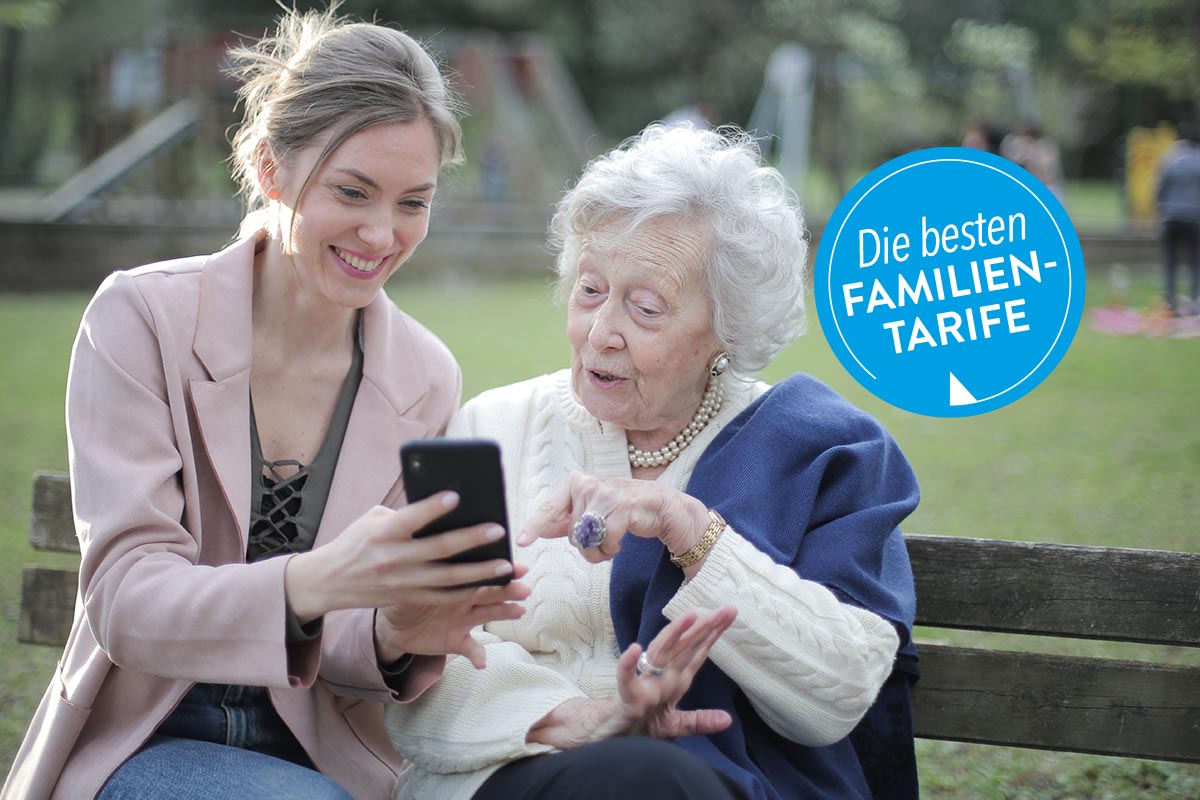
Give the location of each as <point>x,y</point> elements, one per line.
<point>645,703</point>
<point>644,508</point>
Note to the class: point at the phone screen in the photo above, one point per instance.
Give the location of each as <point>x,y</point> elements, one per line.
<point>470,467</point>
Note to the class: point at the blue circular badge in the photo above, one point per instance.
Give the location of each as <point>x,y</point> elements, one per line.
<point>949,282</point>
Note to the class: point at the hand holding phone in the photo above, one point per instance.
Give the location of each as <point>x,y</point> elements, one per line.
<point>471,468</point>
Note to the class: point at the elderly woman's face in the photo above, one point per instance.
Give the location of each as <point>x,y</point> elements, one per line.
<point>639,324</point>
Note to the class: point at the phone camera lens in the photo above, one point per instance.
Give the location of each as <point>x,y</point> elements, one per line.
<point>415,464</point>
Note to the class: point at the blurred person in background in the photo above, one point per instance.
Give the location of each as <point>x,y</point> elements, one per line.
<point>247,601</point>
<point>982,135</point>
<point>1028,147</point>
<point>1178,202</point>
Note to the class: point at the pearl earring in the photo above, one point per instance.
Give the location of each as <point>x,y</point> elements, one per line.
<point>719,365</point>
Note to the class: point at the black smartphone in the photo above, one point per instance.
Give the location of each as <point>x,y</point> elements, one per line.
<point>470,467</point>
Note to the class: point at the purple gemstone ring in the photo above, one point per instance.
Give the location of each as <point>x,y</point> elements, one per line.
<point>589,531</point>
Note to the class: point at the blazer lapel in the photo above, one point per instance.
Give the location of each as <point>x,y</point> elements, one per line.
<point>368,467</point>
<point>223,345</point>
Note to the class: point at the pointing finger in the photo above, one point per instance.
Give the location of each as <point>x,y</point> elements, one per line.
<point>550,520</point>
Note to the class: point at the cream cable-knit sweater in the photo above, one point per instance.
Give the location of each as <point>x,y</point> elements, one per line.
<point>810,664</point>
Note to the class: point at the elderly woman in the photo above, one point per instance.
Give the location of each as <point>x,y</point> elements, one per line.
<point>655,481</point>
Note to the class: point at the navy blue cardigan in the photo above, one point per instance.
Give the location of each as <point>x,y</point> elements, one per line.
<point>817,484</point>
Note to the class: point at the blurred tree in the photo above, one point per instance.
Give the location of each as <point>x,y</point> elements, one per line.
<point>55,61</point>
<point>17,16</point>
<point>849,41</point>
<point>890,74</point>
<point>895,75</point>
<point>633,61</point>
<point>1150,43</point>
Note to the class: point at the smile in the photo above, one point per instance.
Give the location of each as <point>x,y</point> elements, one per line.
<point>359,264</point>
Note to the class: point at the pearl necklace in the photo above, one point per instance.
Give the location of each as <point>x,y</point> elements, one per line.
<point>709,406</point>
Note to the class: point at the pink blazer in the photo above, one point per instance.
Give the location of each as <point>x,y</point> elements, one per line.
<point>158,433</point>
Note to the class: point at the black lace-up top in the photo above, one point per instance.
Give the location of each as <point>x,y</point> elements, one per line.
<point>285,512</point>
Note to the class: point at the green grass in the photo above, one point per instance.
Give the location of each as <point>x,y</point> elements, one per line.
<point>36,333</point>
<point>1106,451</point>
<point>1095,206</point>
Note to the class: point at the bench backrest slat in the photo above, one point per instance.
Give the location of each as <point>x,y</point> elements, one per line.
<point>48,593</point>
<point>1086,705</point>
<point>1106,593</point>
<point>52,526</point>
<point>47,605</point>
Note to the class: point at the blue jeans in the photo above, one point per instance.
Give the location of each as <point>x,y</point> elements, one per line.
<point>221,742</point>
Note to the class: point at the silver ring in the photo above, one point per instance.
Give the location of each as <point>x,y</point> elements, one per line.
<point>589,530</point>
<point>644,667</point>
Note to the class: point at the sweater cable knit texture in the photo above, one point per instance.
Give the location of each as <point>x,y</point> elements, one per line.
<point>809,664</point>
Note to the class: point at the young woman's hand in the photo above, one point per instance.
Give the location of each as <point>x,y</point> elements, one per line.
<point>434,629</point>
<point>645,704</point>
<point>376,563</point>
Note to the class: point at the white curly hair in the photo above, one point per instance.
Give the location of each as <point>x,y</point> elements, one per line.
<point>716,180</point>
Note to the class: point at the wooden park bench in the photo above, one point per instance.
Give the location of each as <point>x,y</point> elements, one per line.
<point>966,694</point>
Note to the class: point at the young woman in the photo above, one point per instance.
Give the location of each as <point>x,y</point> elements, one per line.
<point>248,600</point>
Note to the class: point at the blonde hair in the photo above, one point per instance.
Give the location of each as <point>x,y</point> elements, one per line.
<point>320,73</point>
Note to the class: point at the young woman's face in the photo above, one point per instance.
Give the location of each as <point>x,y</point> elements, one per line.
<point>364,211</point>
